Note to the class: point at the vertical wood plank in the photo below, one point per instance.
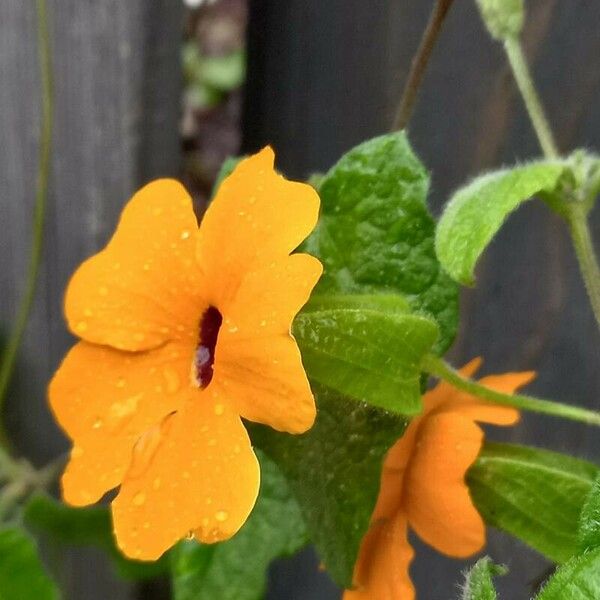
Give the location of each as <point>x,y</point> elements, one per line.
<point>117,91</point>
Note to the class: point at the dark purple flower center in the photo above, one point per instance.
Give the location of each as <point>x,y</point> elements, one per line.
<point>210,323</point>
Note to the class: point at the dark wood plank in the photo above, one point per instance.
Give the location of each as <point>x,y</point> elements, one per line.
<point>326,75</point>
<point>117,87</point>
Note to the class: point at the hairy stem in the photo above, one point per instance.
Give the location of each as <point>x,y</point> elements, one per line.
<point>520,70</point>
<point>419,63</point>
<point>10,353</point>
<point>439,368</point>
<point>584,248</point>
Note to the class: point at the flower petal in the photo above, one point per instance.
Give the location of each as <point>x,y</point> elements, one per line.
<point>200,475</point>
<point>381,571</point>
<point>269,298</point>
<point>437,499</point>
<point>267,382</point>
<point>144,287</point>
<point>256,217</point>
<point>105,399</point>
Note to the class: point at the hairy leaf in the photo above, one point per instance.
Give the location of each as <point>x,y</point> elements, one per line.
<point>334,471</point>
<point>90,526</point>
<point>367,355</point>
<point>589,521</point>
<point>22,574</point>
<point>237,569</point>
<point>375,234</point>
<point>535,495</point>
<point>478,580</point>
<point>578,579</point>
<point>477,211</point>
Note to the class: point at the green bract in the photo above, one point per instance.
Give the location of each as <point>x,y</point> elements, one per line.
<point>535,495</point>
<point>503,18</point>
<point>236,569</point>
<point>477,211</point>
<point>375,235</point>
<point>22,574</point>
<point>478,581</point>
<point>334,471</point>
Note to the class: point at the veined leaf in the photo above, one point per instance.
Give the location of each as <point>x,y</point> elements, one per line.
<point>478,580</point>
<point>90,526</point>
<point>367,355</point>
<point>334,471</point>
<point>375,235</point>
<point>476,212</point>
<point>589,521</point>
<point>535,495</point>
<point>237,569</point>
<point>22,574</point>
<point>578,579</point>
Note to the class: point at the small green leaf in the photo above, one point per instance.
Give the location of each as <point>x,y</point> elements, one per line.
<point>22,575</point>
<point>503,18</point>
<point>334,470</point>
<point>478,580</point>
<point>578,579</point>
<point>535,495</point>
<point>589,522</point>
<point>237,569</point>
<point>367,355</point>
<point>375,235</point>
<point>477,211</point>
<point>91,526</point>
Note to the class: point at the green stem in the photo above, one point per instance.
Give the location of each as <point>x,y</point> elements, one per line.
<point>584,248</point>
<point>520,70</point>
<point>10,353</point>
<point>439,368</point>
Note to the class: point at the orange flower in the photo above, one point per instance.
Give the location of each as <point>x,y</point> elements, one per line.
<point>423,486</point>
<point>184,330</point>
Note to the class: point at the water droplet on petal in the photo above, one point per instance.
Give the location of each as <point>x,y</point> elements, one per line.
<point>88,312</point>
<point>156,483</point>
<point>221,515</point>
<point>139,499</point>
<point>185,234</point>
<point>120,382</point>
<point>232,329</point>
<point>146,525</point>
<point>97,423</point>
<point>219,409</point>
<point>81,326</point>
<point>76,452</point>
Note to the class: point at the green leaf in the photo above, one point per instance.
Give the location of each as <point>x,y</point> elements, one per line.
<point>477,211</point>
<point>375,235</point>
<point>22,574</point>
<point>334,470</point>
<point>91,526</point>
<point>367,355</point>
<point>224,73</point>
<point>237,569</point>
<point>589,521</point>
<point>535,495</point>
<point>386,303</point>
<point>579,579</point>
<point>478,580</point>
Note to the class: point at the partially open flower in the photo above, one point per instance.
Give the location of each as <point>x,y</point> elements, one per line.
<point>423,487</point>
<point>185,330</point>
